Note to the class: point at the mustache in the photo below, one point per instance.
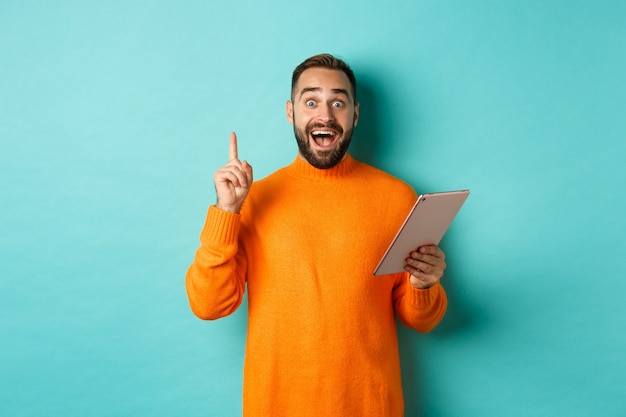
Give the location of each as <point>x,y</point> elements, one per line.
<point>329,125</point>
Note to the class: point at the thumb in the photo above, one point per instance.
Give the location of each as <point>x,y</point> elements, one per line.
<point>247,168</point>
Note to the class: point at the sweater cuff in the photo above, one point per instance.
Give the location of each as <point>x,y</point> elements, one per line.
<point>220,227</point>
<point>421,298</point>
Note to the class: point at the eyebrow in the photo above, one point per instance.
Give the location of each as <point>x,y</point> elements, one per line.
<point>318,89</point>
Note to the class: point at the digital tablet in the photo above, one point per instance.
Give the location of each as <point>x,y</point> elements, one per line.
<point>426,224</point>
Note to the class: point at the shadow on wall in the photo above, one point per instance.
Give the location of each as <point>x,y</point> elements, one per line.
<point>366,142</point>
<point>367,146</point>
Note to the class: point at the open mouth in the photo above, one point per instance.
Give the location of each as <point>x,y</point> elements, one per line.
<point>324,138</point>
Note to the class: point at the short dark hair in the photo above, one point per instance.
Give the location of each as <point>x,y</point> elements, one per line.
<point>327,61</point>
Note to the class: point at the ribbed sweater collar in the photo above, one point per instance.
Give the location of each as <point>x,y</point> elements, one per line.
<point>303,169</point>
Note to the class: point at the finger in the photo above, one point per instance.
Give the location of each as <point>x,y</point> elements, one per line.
<point>227,177</point>
<point>425,257</point>
<point>242,170</point>
<point>420,266</point>
<point>232,174</point>
<point>247,169</point>
<point>427,263</point>
<point>431,250</point>
<point>424,276</point>
<point>232,153</point>
<point>432,260</point>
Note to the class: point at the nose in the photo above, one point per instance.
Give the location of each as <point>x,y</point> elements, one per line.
<point>325,113</point>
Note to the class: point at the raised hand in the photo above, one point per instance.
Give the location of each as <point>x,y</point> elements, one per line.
<point>233,180</point>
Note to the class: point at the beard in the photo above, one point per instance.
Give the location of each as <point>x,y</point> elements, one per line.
<point>327,158</point>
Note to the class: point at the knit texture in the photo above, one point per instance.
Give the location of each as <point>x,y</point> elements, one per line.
<point>321,327</point>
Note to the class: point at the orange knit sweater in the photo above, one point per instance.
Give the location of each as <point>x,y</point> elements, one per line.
<point>321,328</point>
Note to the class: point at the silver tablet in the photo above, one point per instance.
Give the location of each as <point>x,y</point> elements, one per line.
<point>426,224</point>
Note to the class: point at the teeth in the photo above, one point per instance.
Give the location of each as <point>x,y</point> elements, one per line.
<point>321,132</point>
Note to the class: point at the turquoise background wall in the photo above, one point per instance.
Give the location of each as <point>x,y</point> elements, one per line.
<point>114,115</point>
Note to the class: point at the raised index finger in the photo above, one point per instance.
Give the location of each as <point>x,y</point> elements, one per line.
<point>233,146</point>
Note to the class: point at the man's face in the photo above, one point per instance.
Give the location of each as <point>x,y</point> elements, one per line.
<point>323,114</point>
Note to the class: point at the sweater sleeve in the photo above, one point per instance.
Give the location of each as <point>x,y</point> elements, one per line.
<point>215,281</point>
<point>419,309</point>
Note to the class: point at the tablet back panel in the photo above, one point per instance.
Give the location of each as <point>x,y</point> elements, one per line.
<point>425,225</point>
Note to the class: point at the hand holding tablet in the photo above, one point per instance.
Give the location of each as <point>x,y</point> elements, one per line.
<point>426,224</point>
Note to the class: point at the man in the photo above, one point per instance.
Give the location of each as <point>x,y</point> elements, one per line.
<point>304,241</point>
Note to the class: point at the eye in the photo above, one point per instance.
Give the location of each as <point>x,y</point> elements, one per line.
<point>338,104</point>
<point>309,103</point>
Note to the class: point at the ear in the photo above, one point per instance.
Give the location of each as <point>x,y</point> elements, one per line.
<point>289,111</point>
<point>356,113</point>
